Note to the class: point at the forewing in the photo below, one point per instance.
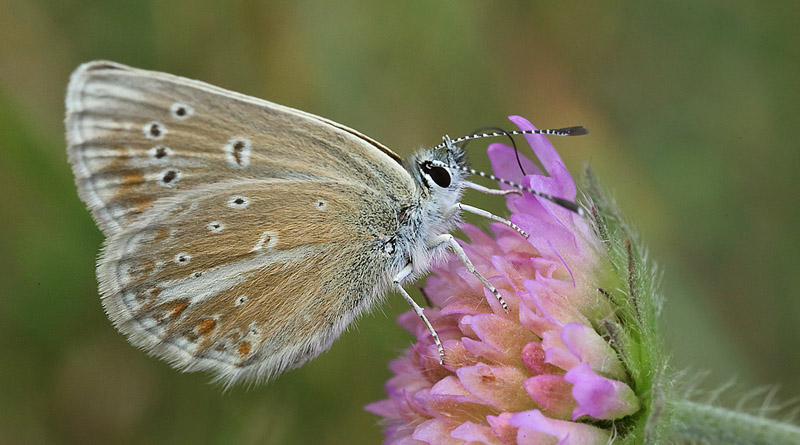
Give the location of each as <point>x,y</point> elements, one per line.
<point>136,136</point>
<point>247,278</point>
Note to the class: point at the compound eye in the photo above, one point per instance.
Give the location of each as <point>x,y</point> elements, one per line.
<point>440,175</point>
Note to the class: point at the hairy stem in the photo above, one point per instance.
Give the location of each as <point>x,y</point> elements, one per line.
<point>710,424</point>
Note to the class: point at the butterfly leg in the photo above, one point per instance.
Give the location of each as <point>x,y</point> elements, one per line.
<point>397,283</point>
<point>488,191</point>
<point>451,242</point>
<point>485,214</point>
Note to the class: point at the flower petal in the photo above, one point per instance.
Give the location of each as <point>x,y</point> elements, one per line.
<point>436,432</point>
<point>549,157</point>
<point>553,394</point>
<point>533,321</point>
<point>502,427</point>
<point>475,433</point>
<point>534,359</point>
<point>504,163</point>
<point>498,386</point>
<point>535,428</point>
<point>598,396</point>
<point>502,340</point>
<point>591,348</point>
<point>454,408</point>
<point>555,353</point>
<point>407,377</point>
<point>549,298</point>
<point>385,408</point>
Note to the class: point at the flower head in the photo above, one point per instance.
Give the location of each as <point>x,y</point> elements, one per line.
<point>564,365</point>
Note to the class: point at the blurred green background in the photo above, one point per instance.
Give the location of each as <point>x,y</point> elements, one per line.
<point>693,111</point>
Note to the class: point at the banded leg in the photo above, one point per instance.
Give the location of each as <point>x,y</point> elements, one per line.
<point>453,244</point>
<point>488,191</point>
<point>492,216</point>
<point>397,283</point>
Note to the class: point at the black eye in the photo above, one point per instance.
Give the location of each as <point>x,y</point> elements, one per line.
<point>440,175</point>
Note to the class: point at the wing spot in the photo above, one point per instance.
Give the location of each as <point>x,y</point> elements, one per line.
<point>237,152</point>
<point>154,130</point>
<point>182,259</point>
<point>206,326</point>
<point>216,226</point>
<point>238,202</point>
<point>320,204</point>
<point>240,301</point>
<point>178,308</point>
<point>170,177</point>
<point>202,329</point>
<point>159,152</point>
<point>234,335</point>
<point>130,178</point>
<point>244,348</point>
<point>267,239</point>
<point>181,111</point>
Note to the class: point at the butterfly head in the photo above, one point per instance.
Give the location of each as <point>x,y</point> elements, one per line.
<point>440,172</point>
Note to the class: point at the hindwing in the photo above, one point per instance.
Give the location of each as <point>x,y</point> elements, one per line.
<point>248,278</point>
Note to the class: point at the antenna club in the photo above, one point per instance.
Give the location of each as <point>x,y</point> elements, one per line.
<point>574,131</point>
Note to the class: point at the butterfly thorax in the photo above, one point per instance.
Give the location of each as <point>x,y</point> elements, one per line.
<point>433,212</point>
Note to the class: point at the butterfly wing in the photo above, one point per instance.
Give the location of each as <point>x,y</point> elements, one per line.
<point>136,136</point>
<point>248,278</point>
<point>242,236</point>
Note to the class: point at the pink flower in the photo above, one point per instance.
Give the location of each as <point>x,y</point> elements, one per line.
<point>546,371</point>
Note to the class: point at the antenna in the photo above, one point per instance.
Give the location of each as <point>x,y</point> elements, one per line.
<point>568,131</point>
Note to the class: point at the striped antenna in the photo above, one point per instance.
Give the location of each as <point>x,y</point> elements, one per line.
<point>567,204</point>
<point>568,131</point>
<point>571,131</point>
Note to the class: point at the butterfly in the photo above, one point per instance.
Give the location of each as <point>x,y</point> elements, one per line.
<point>242,236</point>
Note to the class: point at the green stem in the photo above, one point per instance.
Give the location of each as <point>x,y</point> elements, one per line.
<point>711,424</point>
